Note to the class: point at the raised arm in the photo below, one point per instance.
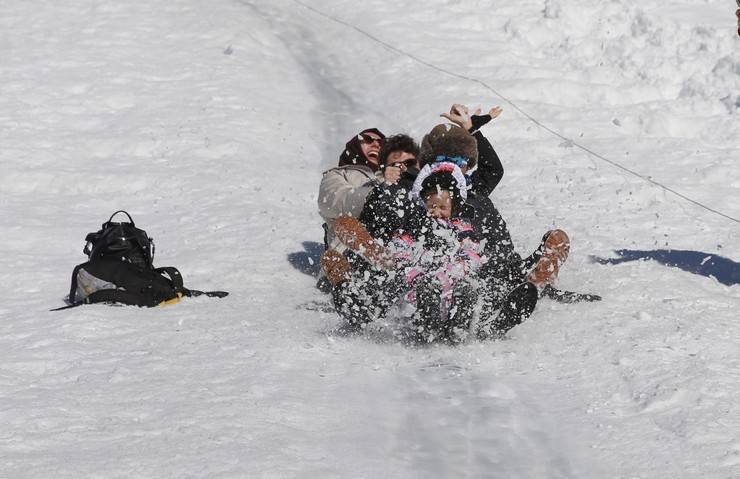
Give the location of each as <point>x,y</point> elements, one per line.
<point>490,170</point>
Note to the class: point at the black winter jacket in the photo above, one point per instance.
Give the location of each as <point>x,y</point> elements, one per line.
<point>388,209</point>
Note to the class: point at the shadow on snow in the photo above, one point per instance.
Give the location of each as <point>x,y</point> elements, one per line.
<point>724,270</point>
<point>307,261</point>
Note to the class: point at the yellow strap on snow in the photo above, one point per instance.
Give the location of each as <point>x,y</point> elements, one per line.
<point>172,301</point>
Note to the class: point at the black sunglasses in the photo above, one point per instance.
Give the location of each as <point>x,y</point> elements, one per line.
<point>365,138</point>
<point>411,162</point>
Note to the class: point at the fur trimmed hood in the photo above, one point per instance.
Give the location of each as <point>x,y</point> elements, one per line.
<point>447,176</point>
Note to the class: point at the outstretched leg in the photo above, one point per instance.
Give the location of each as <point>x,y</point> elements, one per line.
<point>366,296</point>
<point>562,296</point>
<point>517,306</point>
<point>352,307</point>
<point>428,320</point>
<point>464,299</point>
<point>551,255</point>
<point>355,236</point>
<point>543,267</point>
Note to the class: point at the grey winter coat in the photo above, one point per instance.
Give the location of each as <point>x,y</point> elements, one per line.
<point>343,191</point>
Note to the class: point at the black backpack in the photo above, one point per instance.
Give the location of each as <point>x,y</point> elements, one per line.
<point>121,241</point>
<point>121,270</point>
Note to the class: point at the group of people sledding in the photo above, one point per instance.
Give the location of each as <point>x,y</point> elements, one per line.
<point>412,228</point>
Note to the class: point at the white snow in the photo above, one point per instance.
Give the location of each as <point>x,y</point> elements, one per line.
<point>211,122</point>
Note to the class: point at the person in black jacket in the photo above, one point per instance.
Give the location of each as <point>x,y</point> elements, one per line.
<point>513,283</point>
<point>400,166</point>
<point>360,292</point>
<point>388,208</point>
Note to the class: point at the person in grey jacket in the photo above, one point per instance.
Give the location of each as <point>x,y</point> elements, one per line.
<point>343,189</point>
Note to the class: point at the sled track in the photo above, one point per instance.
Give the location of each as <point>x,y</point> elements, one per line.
<point>334,91</point>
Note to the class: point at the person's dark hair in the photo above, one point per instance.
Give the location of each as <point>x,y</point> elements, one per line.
<point>398,142</point>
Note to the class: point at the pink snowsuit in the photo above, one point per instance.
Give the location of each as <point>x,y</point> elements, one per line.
<point>459,262</point>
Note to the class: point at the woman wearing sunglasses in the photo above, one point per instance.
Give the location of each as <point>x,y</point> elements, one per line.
<point>369,160</point>
<point>510,280</point>
<point>385,207</point>
<point>343,189</point>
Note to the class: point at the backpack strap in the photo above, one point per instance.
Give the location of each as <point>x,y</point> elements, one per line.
<point>211,294</point>
<point>69,306</point>
<point>126,297</point>
<point>119,296</point>
<point>72,291</point>
<point>175,278</point>
<point>110,220</point>
<point>177,284</point>
<point>73,287</point>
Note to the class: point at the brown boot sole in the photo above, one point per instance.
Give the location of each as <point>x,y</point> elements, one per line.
<point>353,234</point>
<point>556,251</point>
<point>335,266</point>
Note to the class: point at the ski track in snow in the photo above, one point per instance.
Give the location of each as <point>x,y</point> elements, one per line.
<point>212,123</point>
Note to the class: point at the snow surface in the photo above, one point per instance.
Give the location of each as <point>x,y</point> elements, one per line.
<point>211,123</point>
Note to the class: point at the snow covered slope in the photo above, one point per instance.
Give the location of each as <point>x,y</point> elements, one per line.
<point>211,123</point>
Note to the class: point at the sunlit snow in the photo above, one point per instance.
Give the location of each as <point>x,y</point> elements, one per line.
<point>211,122</point>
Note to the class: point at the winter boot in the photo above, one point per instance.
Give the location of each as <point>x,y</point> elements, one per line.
<point>323,284</point>
<point>354,235</point>
<point>515,308</point>
<point>335,266</point>
<point>553,252</point>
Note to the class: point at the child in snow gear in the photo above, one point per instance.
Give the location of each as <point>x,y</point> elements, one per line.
<point>120,270</point>
<point>507,298</point>
<point>510,285</point>
<point>430,265</point>
<point>506,273</point>
<point>439,260</point>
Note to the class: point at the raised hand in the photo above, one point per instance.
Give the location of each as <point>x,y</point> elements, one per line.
<point>494,112</point>
<point>459,115</point>
<point>480,120</point>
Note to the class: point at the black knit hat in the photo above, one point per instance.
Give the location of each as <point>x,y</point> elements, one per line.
<point>451,141</point>
<point>353,155</point>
